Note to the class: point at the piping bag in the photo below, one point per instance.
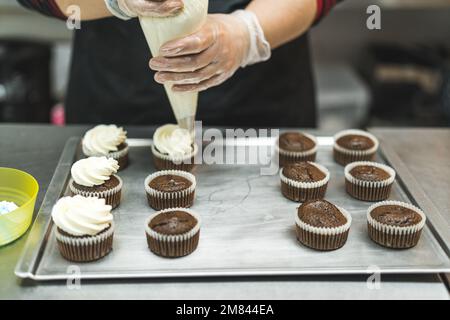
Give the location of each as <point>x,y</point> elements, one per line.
<point>157,32</point>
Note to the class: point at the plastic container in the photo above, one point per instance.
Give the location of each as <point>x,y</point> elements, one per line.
<point>22,189</point>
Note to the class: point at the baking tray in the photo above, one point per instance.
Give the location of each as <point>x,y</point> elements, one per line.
<point>248,228</point>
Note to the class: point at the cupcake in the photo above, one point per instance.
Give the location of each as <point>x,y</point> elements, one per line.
<point>321,225</point>
<point>170,189</point>
<point>395,224</point>
<point>296,147</point>
<point>94,177</point>
<point>108,141</point>
<point>173,232</point>
<point>369,181</point>
<point>84,228</point>
<point>304,181</point>
<point>354,145</point>
<point>173,148</point>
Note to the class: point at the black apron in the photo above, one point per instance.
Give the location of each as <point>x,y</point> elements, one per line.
<point>110,82</point>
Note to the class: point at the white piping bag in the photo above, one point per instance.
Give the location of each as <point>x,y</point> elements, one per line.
<point>157,32</point>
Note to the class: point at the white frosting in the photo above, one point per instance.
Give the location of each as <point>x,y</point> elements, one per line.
<point>7,207</point>
<point>172,140</point>
<point>93,171</point>
<point>103,139</point>
<point>81,216</point>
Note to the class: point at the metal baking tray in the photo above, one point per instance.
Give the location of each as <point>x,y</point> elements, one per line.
<point>248,228</point>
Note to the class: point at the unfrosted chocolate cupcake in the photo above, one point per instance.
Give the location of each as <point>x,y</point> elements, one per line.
<point>170,189</point>
<point>354,145</point>
<point>395,224</point>
<point>304,181</point>
<point>369,181</point>
<point>296,147</point>
<point>321,225</point>
<point>95,177</point>
<point>173,232</point>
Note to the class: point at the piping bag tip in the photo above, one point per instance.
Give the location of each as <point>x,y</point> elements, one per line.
<point>187,123</point>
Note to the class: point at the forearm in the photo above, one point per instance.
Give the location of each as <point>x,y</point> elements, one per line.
<point>90,9</point>
<point>283,21</point>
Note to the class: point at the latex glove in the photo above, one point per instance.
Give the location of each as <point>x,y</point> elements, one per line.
<point>151,8</point>
<point>206,58</point>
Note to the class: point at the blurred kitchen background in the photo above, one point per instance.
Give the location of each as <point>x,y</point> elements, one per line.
<point>397,76</point>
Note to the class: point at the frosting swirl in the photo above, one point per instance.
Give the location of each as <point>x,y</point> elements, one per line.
<point>103,139</point>
<point>80,216</point>
<point>172,140</point>
<point>93,171</point>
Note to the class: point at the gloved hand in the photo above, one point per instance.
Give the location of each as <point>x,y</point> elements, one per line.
<point>150,8</point>
<point>206,58</point>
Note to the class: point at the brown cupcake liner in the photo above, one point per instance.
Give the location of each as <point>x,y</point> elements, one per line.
<point>173,246</point>
<point>323,239</point>
<point>321,242</point>
<point>85,249</point>
<point>344,159</point>
<point>164,162</point>
<point>173,249</point>
<point>303,191</point>
<point>345,156</point>
<point>394,236</point>
<point>112,197</point>
<point>182,202</point>
<point>302,195</point>
<point>160,200</point>
<point>394,241</point>
<point>366,193</point>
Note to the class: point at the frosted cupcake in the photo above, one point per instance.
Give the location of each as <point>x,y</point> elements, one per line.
<point>354,145</point>
<point>395,224</point>
<point>170,189</point>
<point>173,232</point>
<point>369,181</point>
<point>84,228</point>
<point>173,148</point>
<point>296,147</point>
<point>94,177</point>
<point>108,141</point>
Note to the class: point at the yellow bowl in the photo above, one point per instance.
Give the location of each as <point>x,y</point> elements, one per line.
<point>22,189</point>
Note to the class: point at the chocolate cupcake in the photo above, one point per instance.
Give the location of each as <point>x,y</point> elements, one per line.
<point>369,181</point>
<point>304,181</point>
<point>108,141</point>
<point>296,147</point>
<point>321,225</point>
<point>94,177</point>
<point>170,189</point>
<point>354,145</point>
<point>173,232</point>
<point>173,149</point>
<point>84,228</point>
<point>395,224</point>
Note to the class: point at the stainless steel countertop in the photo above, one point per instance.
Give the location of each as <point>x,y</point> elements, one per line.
<point>36,149</point>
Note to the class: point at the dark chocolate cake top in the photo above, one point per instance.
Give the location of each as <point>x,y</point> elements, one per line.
<point>321,214</point>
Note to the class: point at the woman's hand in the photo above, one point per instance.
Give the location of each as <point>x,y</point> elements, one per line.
<point>206,58</point>
<point>151,8</point>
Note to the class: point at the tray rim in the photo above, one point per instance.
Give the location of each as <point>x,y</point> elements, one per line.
<point>28,263</point>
